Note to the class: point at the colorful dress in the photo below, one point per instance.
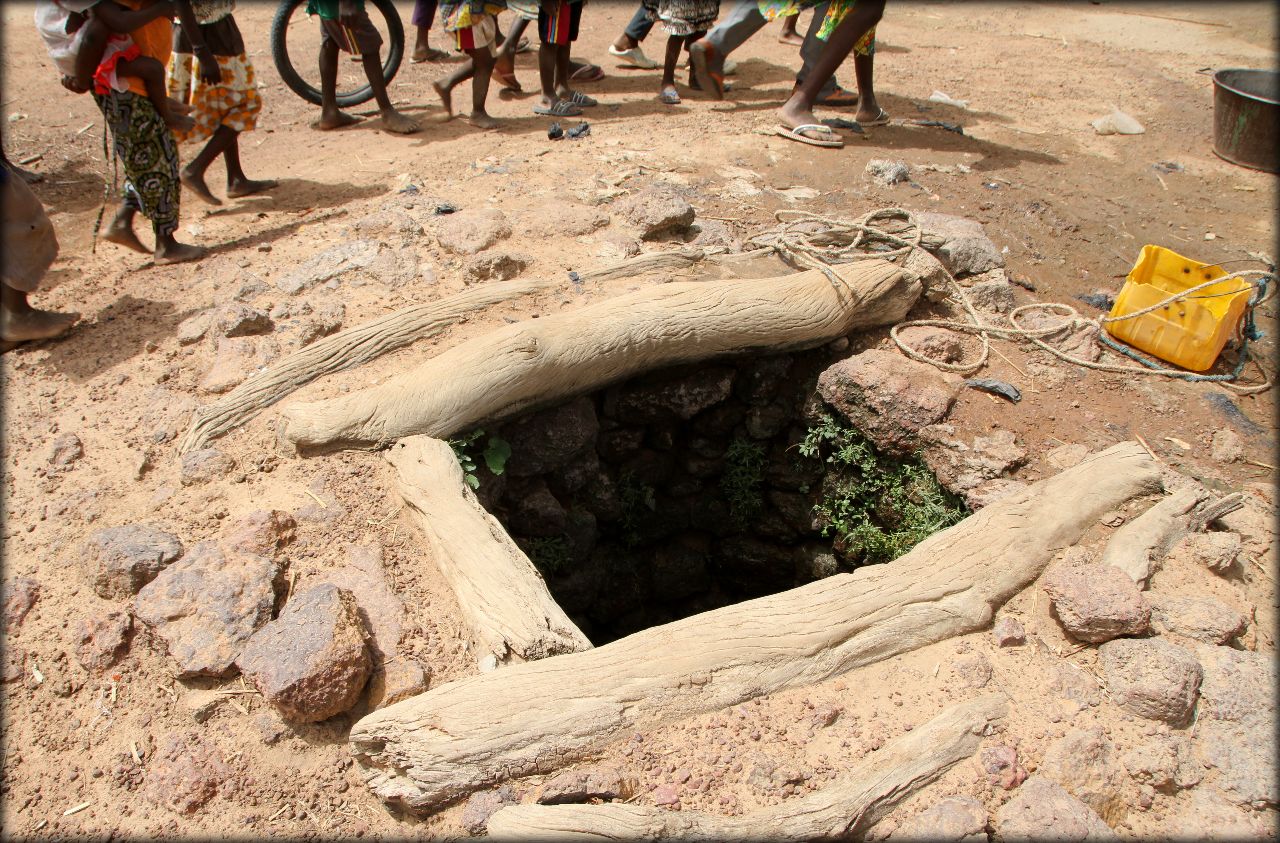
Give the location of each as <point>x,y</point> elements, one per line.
<point>683,17</point>
<point>836,12</point>
<point>234,102</point>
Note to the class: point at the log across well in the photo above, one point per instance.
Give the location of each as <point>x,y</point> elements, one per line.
<point>536,717</point>
<point>566,354</point>
<point>864,793</point>
<point>503,598</point>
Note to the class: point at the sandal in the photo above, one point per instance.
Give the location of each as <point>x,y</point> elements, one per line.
<point>579,98</point>
<point>881,119</point>
<point>562,108</point>
<point>827,139</point>
<point>669,96</point>
<point>839,97</point>
<point>634,57</point>
<point>587,73</point>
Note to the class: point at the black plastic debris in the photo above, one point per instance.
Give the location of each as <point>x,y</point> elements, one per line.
<point>843,123</point>
<point>445,208</point>
<point>579,131</point>
<point>555,132</point>
<point>1167,167</point>
<point>1223,404</point>
<point>1099,300</point>
<point>575,277</point>
<point>939,124</point>
<point>990,185</point>
<point>411,189</point>
<point>995,387</point>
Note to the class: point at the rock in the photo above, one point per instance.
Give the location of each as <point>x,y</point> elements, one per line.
<point>595,782</point>
<point>381,609</point>
<point>471,231</point>
<point>713,233</point>
<point>387,221</point>
<point>666,397</point>
<point>934,343</point>
<point>547,440</point>
<point>1042,810</point>
<point>480,806</point>
<point>121,560</point>
<point>1237,709</point>
<point>567,221</point>
<point>496,266</point>
<point>1215,551</point>
<point>329,264</point>
<point>535,511</point>
<point>233,360</point>
<point>965,248</point>
<point>205,465</point>
<point>955,818</point>
<point>1096,603</point>
<point>989,491</point>
<point>240,320</point>
<point>932,274</point>
<point>1000,765</point>
<point>66,450</point>
<point>1200,618</point>
<point>1007,632</point>
<point>12,663</point>
<point>887,173</point>
<point>102,641</point>
<point>1151,678</point>
<point>312,662</point>
<point>1213,817</point>
<point>20,594</point>
<point>395,681</point>
<point>206,606</point>
<point>655,210</point>
<point>1226,446</point>
<point>1066,456</point>
<point>262,532</point>
<point>202,704</point>
<point>1117,123</point>
<point>667,796</point>
<point>1073,685</point>
<point>888,397</point>
<point>269,727</point>
<point>184,772</point>
<point>974,671</point>
<point>1154,763</point>
<point>963,469</point>
<point>1084,762</point>
<point>192,329</point>
<point>327,320</point>
<point>992,296</point>
<point>1076,340</point>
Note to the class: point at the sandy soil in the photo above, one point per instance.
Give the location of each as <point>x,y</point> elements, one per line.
<point>1071,207</point>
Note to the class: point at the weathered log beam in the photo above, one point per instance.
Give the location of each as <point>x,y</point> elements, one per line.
<point>862,795</point>
<point>535,717</point>
<point>574,352</point>
<point>503,598</point>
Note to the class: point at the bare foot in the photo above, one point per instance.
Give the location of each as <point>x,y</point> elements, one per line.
<point>481,120</point>
<point>421,54</point>
<point>401,124</point>
<point>175,252</point>
<point>248,187</point>
<point>446,96</point>
<point>195,183</point>
<point>179,122</point>
<point>793,114</point>
<point>121,233</point>
<point>34,325</point>
<point>790,38</point>
<point>336,120</point>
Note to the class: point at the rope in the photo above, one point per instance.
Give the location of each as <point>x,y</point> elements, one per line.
<point>816,242</point>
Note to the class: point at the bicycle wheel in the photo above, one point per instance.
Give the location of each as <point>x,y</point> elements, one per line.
<point>295,42</point>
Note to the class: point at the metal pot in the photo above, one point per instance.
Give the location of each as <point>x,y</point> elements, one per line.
<point>1246,117</point>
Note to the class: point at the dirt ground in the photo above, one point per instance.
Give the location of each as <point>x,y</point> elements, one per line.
<point>1070,207</point>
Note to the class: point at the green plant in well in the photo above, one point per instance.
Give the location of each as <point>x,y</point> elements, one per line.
<point>635,496</point>
<point>549,555</point>
<point>742,480</point>
<point>495,454</point>
<point>878,508</point>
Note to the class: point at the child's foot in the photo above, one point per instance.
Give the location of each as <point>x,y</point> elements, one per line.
<point>121,233</point>
<point>445,93</point>
<point>179,122</point>
<point>175,252</point>
<point>195,183</point>
<point>248,187</point>
<point>423,53</point>
<point>790,38</point>
<point>400,124</point>
<point>34,324</point>
<point>335,120</point>
<point>792,115</point>
<point>669,95</point>
<point>482,120</point>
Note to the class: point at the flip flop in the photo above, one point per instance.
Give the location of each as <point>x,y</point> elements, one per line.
<point>562,108</point>
<point>709,82</point>
<point>523,46</point>
<point>881,119</point>
<point>841,97</point>
<point>587,73</point>
<point>669,98</point>
<point>579,98</point>
<point>830,141</point>
<point>634,57</point>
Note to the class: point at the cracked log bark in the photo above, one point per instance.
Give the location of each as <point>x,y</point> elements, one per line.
<point>504,599</point>
<point>847,807</point>
<point>533,718</point>
<point>542,360</point>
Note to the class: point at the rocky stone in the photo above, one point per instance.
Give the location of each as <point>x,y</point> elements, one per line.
<point>965,248</point>
<point>989,491</point>
<point>667,796</point>
<point>715,233</point>
<point>888,397</point>
<point>12,663</point>
<point>934,343</point>
<point>595,782</point>
<point>679,571</point>
<point>381,609</point>
<point>1068,336</point>
<point>204,466</point>
<point>103,640</point>
<point>193,329</point>
<point>1216,551</point>
<point>206,606</point>
<point>1001,767</point>
<point>887,173</point>
<point>567,221</point>
<point>312,662</point>
<point>667,397</point>
<point>973,670</point>
<point>471,231</point>
<point>483,805</point>
<point>241,320</point>
<point>1073,685</point>
<point>269,726</point>
<point>1042,810</point>
<point>547,440</point>
<point>20,595</point>
<point>956,818</point>
<point>656,210</point>
<point>1084,762</point>
<point>1203,619</point>
<point>1007,632</point>
<point>262,532</point>
<point>330,264</point>
<point>1154,763</point>
<point>1096,603</point>
<point>184,772</point>
<point>1214,817</point>
<point>992,296</point>
<point>494,265</point>
<point>1237,709</point>
<point>535,511</point>
<point>121,560</point>
<point>1226,446</point>
<point>962,468</point>
<point>395,681</point>
<point>1151,678</point>
<point>66,450</point>
<point>327,320</point>
<point>387,221</point>
<point>234,359</point>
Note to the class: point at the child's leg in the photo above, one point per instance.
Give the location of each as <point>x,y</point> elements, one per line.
<point>330,116</point>
<point>369,42</point>
<point>864,71</point>
<point>547,73</point>
<point>444,87</point>
<point>93,43</point>
<point>484,61</point>
<point>667,87</point>
<point>151,72</point>
<point>798,110</point>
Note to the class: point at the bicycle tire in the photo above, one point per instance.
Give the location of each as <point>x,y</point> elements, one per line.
<point>294,81</point>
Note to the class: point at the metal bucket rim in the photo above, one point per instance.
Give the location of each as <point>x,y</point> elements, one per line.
<point>1217,80</point>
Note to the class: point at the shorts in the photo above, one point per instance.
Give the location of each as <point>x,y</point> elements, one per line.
<point>361,39</point>
<point>483,32</point>
<point>559,26</point>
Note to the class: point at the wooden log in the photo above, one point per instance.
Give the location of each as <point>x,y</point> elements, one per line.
<point>505,601</point>
<point>570,353</point>
<point>533,718</point>
<point>344,350</point>
<point>862,795</point>
<point>1135,547</point>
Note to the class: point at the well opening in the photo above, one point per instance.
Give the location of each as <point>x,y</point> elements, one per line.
<point>695,487</point>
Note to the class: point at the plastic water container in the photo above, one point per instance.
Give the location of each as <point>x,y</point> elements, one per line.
<point>1189,332</point>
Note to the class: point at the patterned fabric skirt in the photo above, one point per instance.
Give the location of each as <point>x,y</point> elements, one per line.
<point>683,17</point>
<point>234,103</point>
<point>836,12</point>
<point>144,146</point>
